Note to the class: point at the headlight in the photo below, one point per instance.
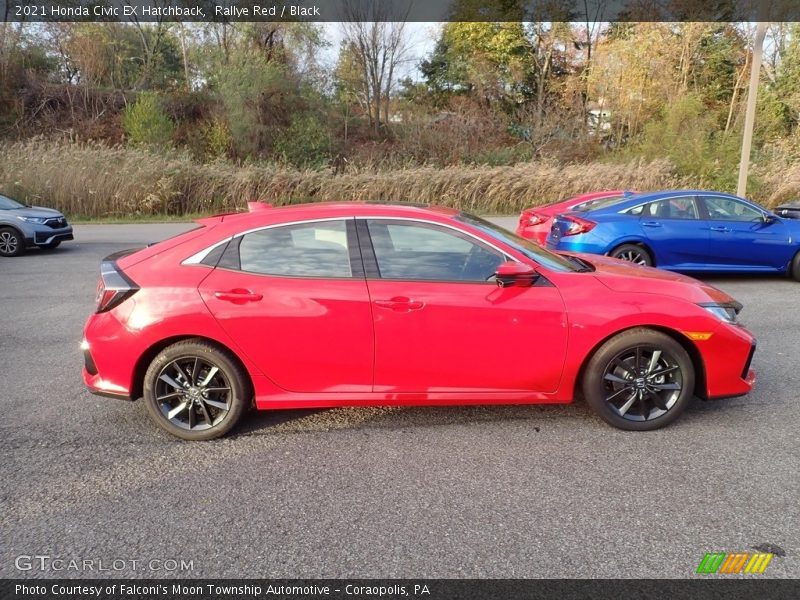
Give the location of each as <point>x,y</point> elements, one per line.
<point>724,311</point>
<point>38,220</point>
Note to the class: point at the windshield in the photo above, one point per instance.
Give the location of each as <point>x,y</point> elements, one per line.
<point>544,257</point>
<point>9,204</point>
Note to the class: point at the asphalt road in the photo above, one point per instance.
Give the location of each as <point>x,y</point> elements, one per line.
<point>380,492</point>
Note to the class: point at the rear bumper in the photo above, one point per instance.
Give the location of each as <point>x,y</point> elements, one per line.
<point>95,382</point>
<point>97,386</point>
<point>569,244</point>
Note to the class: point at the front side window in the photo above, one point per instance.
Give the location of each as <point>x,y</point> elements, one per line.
<point>302,250</point>
<point>426,252</point>
<point>728,209</point>
<point>672,208</point>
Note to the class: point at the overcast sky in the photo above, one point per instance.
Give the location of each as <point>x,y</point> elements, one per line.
<point>421,40</point>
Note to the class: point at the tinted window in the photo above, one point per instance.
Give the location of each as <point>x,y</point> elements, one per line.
<point>728,209</point>
<point>9,204</point>
<point>419,251</point>
<point>304,250</point>
<point>590,204</point>
<point>672,208</point>
<point>544,257</point>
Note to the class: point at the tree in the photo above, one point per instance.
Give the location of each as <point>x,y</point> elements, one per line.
<point>375,37</point>
<point>145,123</point>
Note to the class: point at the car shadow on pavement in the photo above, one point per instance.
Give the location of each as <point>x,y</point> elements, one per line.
<point>403,417</point>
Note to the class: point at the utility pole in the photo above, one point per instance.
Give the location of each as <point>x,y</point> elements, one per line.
<point>750,114</point>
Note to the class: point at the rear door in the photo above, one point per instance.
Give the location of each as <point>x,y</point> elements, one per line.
<point>675,231</point>
<point>740,237</point>
<point>294,299</point>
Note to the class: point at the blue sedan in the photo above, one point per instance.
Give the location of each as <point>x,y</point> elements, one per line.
<point>684,231</point>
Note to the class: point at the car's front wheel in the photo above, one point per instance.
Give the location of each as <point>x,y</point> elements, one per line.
<point>639,380</point>
<point>11,242</point>
<point>196,391</point>
<point>794,268</point>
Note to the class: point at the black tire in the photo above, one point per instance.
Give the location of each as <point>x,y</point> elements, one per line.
<point>11,242</point>
<point>51,245</point>
<point>645,401</point>
<point>633,253</point>
<point>205,415</point>
<point>794,268</point>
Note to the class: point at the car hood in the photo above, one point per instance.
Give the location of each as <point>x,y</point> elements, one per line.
<point>36,211</point>
<point>622,276</point>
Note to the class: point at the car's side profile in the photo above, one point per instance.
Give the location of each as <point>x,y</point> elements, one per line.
<point>688,230</point>
<point>353,304</point>
<point>534,223</point>
<point>23,227</point>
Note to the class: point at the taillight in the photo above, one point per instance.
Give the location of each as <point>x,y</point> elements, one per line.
<point>113,288</point>
<point>578,225</point>
<point>529,219</point>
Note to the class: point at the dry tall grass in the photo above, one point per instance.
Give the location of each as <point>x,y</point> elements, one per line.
<point>98,181</point>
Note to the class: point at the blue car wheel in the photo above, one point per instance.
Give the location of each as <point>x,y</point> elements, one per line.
<point>633,253</point>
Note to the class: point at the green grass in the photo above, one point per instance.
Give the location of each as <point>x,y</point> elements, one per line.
<point>134,219</point>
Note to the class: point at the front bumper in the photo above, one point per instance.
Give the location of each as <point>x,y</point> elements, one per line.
<point>728,357</point>
<point>42,235</point>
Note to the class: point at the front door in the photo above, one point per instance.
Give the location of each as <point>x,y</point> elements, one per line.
<point>443,325</point>
<point>740,237</point>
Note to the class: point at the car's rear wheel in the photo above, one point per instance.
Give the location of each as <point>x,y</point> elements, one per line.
<point>633,253</point>
<point>11,242</point>
<point>794,268</point>
<point>639,380</point>
<point>196,391</point>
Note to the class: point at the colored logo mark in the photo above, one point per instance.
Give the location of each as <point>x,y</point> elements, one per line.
<point>736,562</point>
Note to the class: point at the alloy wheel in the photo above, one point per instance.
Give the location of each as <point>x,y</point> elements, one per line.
<point>633,256</point>
<point>642,383</point>
<point>193,393</point>
<point>8,243</point>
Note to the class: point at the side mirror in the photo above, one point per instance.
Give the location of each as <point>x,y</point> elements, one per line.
<point>515,274</point>
<point>769,219</point>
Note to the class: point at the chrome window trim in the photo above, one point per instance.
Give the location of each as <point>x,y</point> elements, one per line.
<point>198,257</point>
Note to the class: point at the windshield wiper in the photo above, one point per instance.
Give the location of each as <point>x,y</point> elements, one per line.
<point>583,266</point>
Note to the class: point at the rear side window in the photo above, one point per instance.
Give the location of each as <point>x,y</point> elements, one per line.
<point>672,208</point>
<point>302,250</point>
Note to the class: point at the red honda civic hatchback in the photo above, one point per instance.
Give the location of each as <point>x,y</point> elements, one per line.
<point>356,304</point>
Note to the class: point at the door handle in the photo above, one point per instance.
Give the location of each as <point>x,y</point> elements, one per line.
<point>721,229</point>
<point>651,224</point>
<point>400,304</point>
<point>238,296</point>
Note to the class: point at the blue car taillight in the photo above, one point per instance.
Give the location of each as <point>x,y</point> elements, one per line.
<point>577,225</point>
